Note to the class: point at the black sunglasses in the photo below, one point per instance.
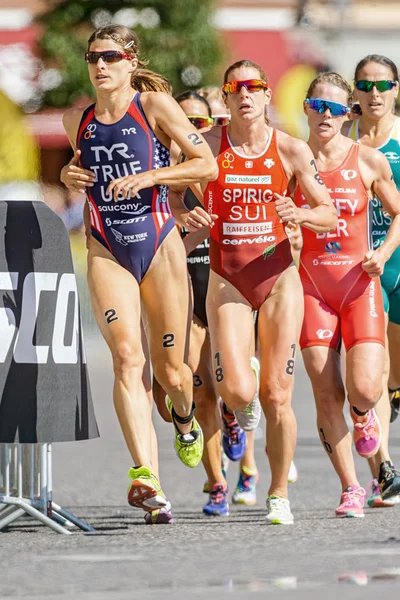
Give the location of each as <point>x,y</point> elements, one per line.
<point>108,56</point>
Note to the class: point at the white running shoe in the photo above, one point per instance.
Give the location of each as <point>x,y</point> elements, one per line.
<point>249,417</point>
<point>293,473</point>
<point>278,511</point>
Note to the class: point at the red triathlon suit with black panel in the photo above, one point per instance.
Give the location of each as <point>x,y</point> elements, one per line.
<point>248,243</point>
<point>340,298</point>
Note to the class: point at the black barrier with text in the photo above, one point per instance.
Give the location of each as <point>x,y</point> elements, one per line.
<point>44,388</point>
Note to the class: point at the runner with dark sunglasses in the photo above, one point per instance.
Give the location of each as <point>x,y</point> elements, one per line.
<point>136,260</point>
<point>376,89</point>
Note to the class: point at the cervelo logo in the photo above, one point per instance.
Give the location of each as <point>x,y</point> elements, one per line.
<point>119,148</point>
<point>129,131</point>
<point>22,338</point>
<point>348,175</point>
<point>262,239</point>
<point>324,334</point>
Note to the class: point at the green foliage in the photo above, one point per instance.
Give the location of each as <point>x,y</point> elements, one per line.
<point>182,39</point>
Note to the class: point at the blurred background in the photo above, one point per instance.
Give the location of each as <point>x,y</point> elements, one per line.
<point>191,42</point>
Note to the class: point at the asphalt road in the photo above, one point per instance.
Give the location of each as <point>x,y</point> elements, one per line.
<point>195,557</point>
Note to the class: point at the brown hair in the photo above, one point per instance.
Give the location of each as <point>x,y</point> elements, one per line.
<point>333,79</point>
<point>143,80</point>
<point>380,60</point>
<point>250,65</point>
<point>211,93</point>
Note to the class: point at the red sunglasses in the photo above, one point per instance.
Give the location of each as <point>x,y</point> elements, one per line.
<point>252,85</point>
<point>108,56</point>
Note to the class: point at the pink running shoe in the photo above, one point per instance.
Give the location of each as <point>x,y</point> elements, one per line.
<point>351,502</point>
<point>367,435</point>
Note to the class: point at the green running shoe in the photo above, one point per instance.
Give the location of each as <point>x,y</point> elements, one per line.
<point>188,446</point>
<point>145,490</point>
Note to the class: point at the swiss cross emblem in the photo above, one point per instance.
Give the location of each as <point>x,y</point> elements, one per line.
<point>248,164</point>
<point>269,162</point>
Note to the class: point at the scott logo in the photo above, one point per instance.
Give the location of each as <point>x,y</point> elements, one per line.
<point>324,334</point>
<point>120,148</point>
<point>129,131</point>
<point>348,175</point>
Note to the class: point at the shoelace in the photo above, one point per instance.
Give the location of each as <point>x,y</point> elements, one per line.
<point>390,472</point>
<point>368,427</point>
<point>277,504</point>
<point>233,430</point>
<point>217,494</point>
<point>352,496</point>
<point>244,482</point>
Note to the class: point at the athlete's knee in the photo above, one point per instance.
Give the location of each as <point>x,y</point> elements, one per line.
<point>172,377</point>
<point>276,401</point>
<point>127,357</point>
<point>237,394</point>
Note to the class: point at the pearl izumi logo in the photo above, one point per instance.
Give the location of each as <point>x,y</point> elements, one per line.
<point>348,175</point>
<point>372,305</point>
<point>324,334</point>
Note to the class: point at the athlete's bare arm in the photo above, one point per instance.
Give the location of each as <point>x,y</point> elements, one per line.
<point>377,176</point>
<point>169,122</point>
<point>73,176</point>
<point>299,164</point>
<point>192,240</point>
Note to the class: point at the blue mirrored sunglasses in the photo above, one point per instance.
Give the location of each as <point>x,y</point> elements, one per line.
<point>320,105</point>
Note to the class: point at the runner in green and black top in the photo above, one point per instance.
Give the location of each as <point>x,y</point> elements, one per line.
<point>376,89</point>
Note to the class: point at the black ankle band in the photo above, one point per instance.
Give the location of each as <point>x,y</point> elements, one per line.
<point>183,420</point>
<point>359,413</point>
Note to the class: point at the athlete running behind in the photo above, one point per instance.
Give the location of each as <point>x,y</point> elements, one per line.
<point>376,89</point>
<point>342,292</point>
<point>252,267</point>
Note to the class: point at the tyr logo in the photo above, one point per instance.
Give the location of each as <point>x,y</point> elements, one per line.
<point>129,131</point>
<point>120,148</point>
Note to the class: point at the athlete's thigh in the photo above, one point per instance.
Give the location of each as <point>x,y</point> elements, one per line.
<point>115,299</point>
<point>279,325</point>
<point>230,323</point>
<point>363,315</point>
<point>165,298</point>
<point>393,332</point>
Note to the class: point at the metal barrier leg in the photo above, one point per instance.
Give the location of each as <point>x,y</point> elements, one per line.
<point>26,473</point>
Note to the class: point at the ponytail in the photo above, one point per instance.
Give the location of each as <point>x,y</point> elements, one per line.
<point>144,80</point>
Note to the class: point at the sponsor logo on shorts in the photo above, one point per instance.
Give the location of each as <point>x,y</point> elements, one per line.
<point>130,209</point>
<point>269,251</point>
<point>332,263</point>
<point>324,334</point>
<point>348,174</point>
<point>246,228</point>
<point>372,305</point>
<point>246,179</point>
<point>124,240</point>
<point>262,239</point>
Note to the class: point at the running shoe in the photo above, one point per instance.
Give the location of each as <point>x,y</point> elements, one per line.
<point>395,404</point>
<point>217,504</point>
<point>293,473</point>
<point>245,491</point>
<point>145,490</point>
<point>389,481</point>
<point>159,516</point>
<point>188,446</point>
<point>367,435</point>
<point>351,502</point>
<point>234,439</point>
<point>249,417</point>
<point>278,511</point>
<point>375,499</point>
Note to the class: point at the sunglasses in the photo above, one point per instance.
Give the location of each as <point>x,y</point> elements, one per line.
<point>221,120</point>
<point>382,86</point>
<point>252,85</point>
<point>201,122</point>
<point>108,56</point>
<point>319,105</point>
